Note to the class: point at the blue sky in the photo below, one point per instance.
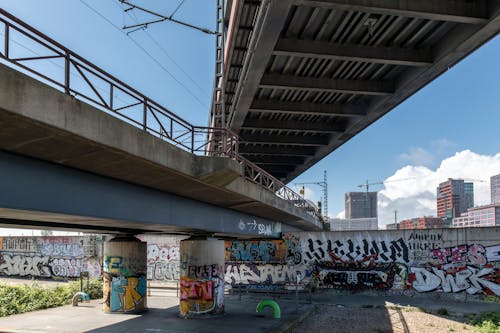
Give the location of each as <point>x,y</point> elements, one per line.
<point>457,112</point>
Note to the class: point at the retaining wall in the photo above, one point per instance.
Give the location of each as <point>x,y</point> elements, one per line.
<point>397,262</point>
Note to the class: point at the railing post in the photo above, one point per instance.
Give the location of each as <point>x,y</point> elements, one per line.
<point>67,68</point>
<point>145,115</point>
<point>111,97</point>
<point>6,45</point>
<point>192,139</point>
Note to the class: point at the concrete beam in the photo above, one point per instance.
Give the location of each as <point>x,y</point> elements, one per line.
<point>273,151</point>
<point>284,140</point>
<point>306,108</point>
<point>374,54</point>
<point>358,87</point>
<point>288,125</point>
<point>269,23</point>
<point>460,11</point>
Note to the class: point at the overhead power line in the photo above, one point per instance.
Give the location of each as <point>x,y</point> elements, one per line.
<point>162,18</point>
<point>162,49</point>
<point>146,52</point>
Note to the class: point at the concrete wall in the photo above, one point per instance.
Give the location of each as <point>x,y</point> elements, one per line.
<point>409,262</point>
<point>51,256</point>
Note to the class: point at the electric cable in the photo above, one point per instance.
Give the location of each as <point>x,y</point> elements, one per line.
<point>146,52</point>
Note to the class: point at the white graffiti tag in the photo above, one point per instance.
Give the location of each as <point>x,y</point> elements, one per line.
<point>472,280</point>
<point>22,265</point>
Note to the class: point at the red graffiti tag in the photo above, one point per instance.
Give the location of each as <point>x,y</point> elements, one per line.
<point>196,290</point>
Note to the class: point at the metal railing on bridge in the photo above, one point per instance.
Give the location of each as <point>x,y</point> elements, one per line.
<point>85,81</point>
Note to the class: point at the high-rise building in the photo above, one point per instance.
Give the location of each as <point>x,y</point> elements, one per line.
<point>360,205</point>
<point>495,189</point>
<point>454,197</point>
<point>468,195</point>
<point>483,216</point>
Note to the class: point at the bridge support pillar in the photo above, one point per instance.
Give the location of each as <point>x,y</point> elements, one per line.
<point>124,273</point>
<point>201,277</point>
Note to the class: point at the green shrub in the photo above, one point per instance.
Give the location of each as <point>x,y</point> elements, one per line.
<point>487,322</point>
<point>442,312</point>
<point>24,298</point>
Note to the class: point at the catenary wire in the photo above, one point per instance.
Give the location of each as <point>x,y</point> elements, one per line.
<point>146,52</point>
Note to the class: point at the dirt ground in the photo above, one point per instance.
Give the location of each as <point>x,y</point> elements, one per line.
<point>389,319</point>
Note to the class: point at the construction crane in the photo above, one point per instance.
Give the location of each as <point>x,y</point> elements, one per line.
<point>324,185</point>
<point>367,185</point>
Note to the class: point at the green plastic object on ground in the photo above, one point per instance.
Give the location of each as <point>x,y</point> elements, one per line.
<point>272,304</point>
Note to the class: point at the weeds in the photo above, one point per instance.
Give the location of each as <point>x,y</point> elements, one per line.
<point>25,298</point>
<point>487,322</point>
<point>442,312</point>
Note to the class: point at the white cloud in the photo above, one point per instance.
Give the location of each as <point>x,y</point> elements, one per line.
<point>340,215</point>
<point>411,190</point>
<point>417,156</point>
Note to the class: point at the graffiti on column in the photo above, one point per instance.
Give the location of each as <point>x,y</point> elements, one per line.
<point>202,291</point>
<point>125,284</point>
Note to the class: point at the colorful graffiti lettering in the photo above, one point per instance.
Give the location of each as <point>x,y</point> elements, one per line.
<point>472,280</point>
<point>124,294</point>
<point>198,297</point>
<point>256,251</point>
<point>127,294</point>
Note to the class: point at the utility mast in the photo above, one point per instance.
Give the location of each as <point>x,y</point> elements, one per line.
<point>324,187</point>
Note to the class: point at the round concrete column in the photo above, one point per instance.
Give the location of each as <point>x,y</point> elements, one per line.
<point>124,273</point>
<point>201,277</point>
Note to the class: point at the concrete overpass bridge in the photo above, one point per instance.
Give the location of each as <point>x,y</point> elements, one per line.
<point>82,150</point>
<point>305,76</point>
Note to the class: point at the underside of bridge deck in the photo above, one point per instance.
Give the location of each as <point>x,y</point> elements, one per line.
<point>303,77</point>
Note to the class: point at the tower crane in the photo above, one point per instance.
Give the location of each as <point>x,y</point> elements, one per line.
<point>324,186</point>
<point>367,185</point>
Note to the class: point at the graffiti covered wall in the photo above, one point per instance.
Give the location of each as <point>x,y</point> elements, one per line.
<point>163,257</point>
<point>398,262</point>
<point>50,256</point>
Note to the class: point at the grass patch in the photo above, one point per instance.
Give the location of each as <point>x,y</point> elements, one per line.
<point>487,322</point>
<point>25,298</point>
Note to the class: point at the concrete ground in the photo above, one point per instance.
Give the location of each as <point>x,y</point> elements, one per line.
<point>318,312</point>
<point>161,317</point>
